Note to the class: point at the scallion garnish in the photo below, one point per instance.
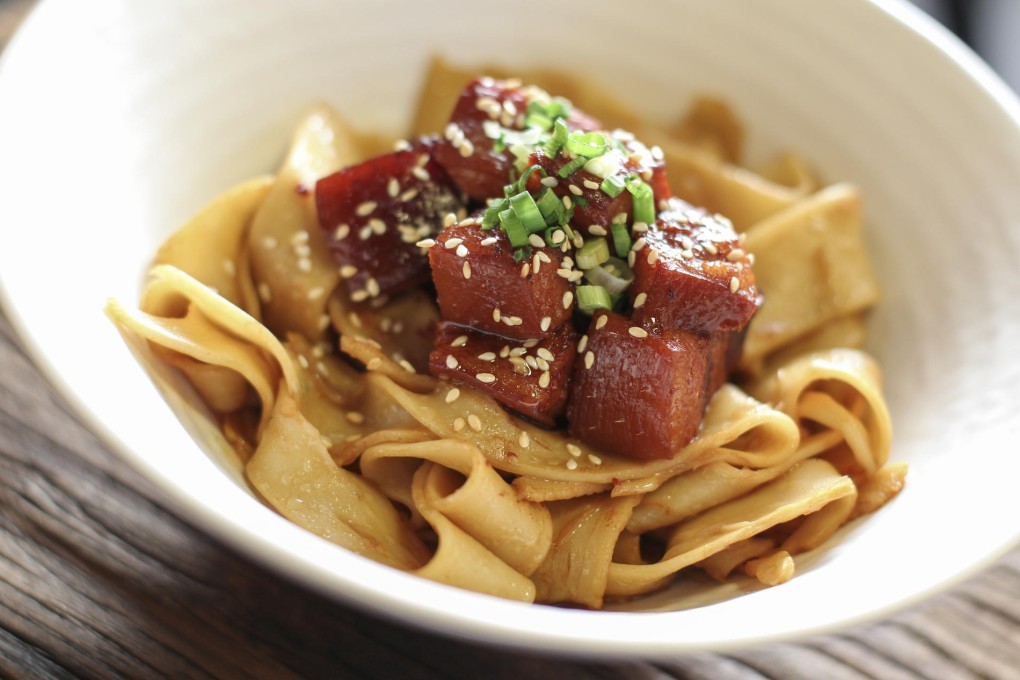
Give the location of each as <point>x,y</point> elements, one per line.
<point>643,199</point>
<point>612,186</point>
<point>550,205</point>
<point>594,252</point>
<point>592,298</point>
<point>522,183</point>
<point>554,236</point>
<point>621,239</point>
<point>522,254</point>
<point>558,139</point>
<point>572,167</point>
<point>524,207</point>
<point>513,227</point>
<point>614,275</point>
<point>587,144</point>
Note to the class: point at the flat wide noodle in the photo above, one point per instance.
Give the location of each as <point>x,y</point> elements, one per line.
<point>340,428</point>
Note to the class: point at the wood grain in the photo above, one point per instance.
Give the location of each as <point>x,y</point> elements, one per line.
<point>100,579</point>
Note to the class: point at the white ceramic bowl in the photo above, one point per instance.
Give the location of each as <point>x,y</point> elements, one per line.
<point>118,120</point>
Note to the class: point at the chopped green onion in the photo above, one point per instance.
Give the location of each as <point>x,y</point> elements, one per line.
<point>527,212</point>
<point>614,278</point>
<point>490,218</point>
<point>522,183</point>
<point>621,239</point>
<point>587,144</point>
<point>550,205</point>
<point>592,298</point>
<point>612,186</point>
<point>581,201</point>
<point>522,254</point>
<point>594,252</point>
<point>572,167</point>
<point>515,231</point>
<point>644,200</point>
<point>558,139</point>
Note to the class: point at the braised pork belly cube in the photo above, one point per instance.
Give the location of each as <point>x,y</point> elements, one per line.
<point>596,203</point>
<point>530,377</point>
<point>480,284</point>
<point>723,354</point>
<point>471,150</point>
<point>375,212</point>
<point>638,394</point>
<point>691,273</point>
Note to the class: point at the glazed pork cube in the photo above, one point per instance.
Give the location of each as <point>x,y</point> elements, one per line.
<point>638,394</point>
<point>692,273</point>
<point>595,201</point>
<point>723,354</point>
<point>375,212</point>
<point>472,152</point>
<point>481,285</point>
<point>529,377</point>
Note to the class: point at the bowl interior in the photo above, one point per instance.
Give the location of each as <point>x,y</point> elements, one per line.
<point>164,105</point>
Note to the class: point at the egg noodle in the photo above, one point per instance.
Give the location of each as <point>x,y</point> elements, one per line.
<point>354,441</point>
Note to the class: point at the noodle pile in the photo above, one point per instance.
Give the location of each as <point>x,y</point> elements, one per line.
<point>331,410</point>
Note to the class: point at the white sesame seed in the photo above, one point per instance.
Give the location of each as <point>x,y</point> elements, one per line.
<point>735,255</point>
<point>393,187</point>
<point>451,361</point>
<point>496,315</point>
<point>452,395</point>
<point>365,209</point>
<point>475,422</point>
<point>639,228</point>
<point>734,284</point>
<point>657,153</point>
<point>265,294</point>
<point>544,257</point>
<point>525,270</point>
<point>573,449</point>
<point>568,299</point>
<point>372,286</point>
<point>408,195</point>
<point>639,300</point>
<point>458,424</point>
<point>546,322</point>
<point>466,148</point>
<point>374,363</point>
<point>492,240</point>
<point>466,269</point>
<point>425,243</point>
<point>567,203</point>
<point>602,321</point>
<point>487,356</point>
<point>594,459</point>
<point>531,342</point>
<point>531,362</point>
<point>637,332</point>
<point>582,343</point>
<point>710,248</point>
<point>750,259</point>
<point>365,232</point>
<point>452,243</point>
<point>518,351</point>
<point>303,360</point>
<point>550,181</point>
<point>377,226</point>
<point>620,218</point>
<point>341,232</point>
<point>571,464</point>
<point>304,264</point>
<point>359,295</point>
<point>564,273</point>
<point>459,341</point>
<point>589,359</point>
<point>631,258</point>
<point>504,352</point>
<point>422,174</point>
<point>462,250</point>
<point>485,377</point>
<point>523,439</point>
<point>653,255</point>
<point>544,353</point>
<point>406,365</point>
<point>597,230</point>
<point>536,241</point>
<point>638,244</point>
<point>589,184</point>
<point>355,417</point>
<point>348,270</point>
<point>576,190</point>
<point>543,380</point>
<point>355,319</point>
<point>536,262</point>
<point>687,254</point>
<point>558,237</point>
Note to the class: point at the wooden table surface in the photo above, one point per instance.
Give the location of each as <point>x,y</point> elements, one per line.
<point>98,578</point>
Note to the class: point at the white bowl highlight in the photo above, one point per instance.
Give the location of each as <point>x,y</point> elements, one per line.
<point>119,120</point>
